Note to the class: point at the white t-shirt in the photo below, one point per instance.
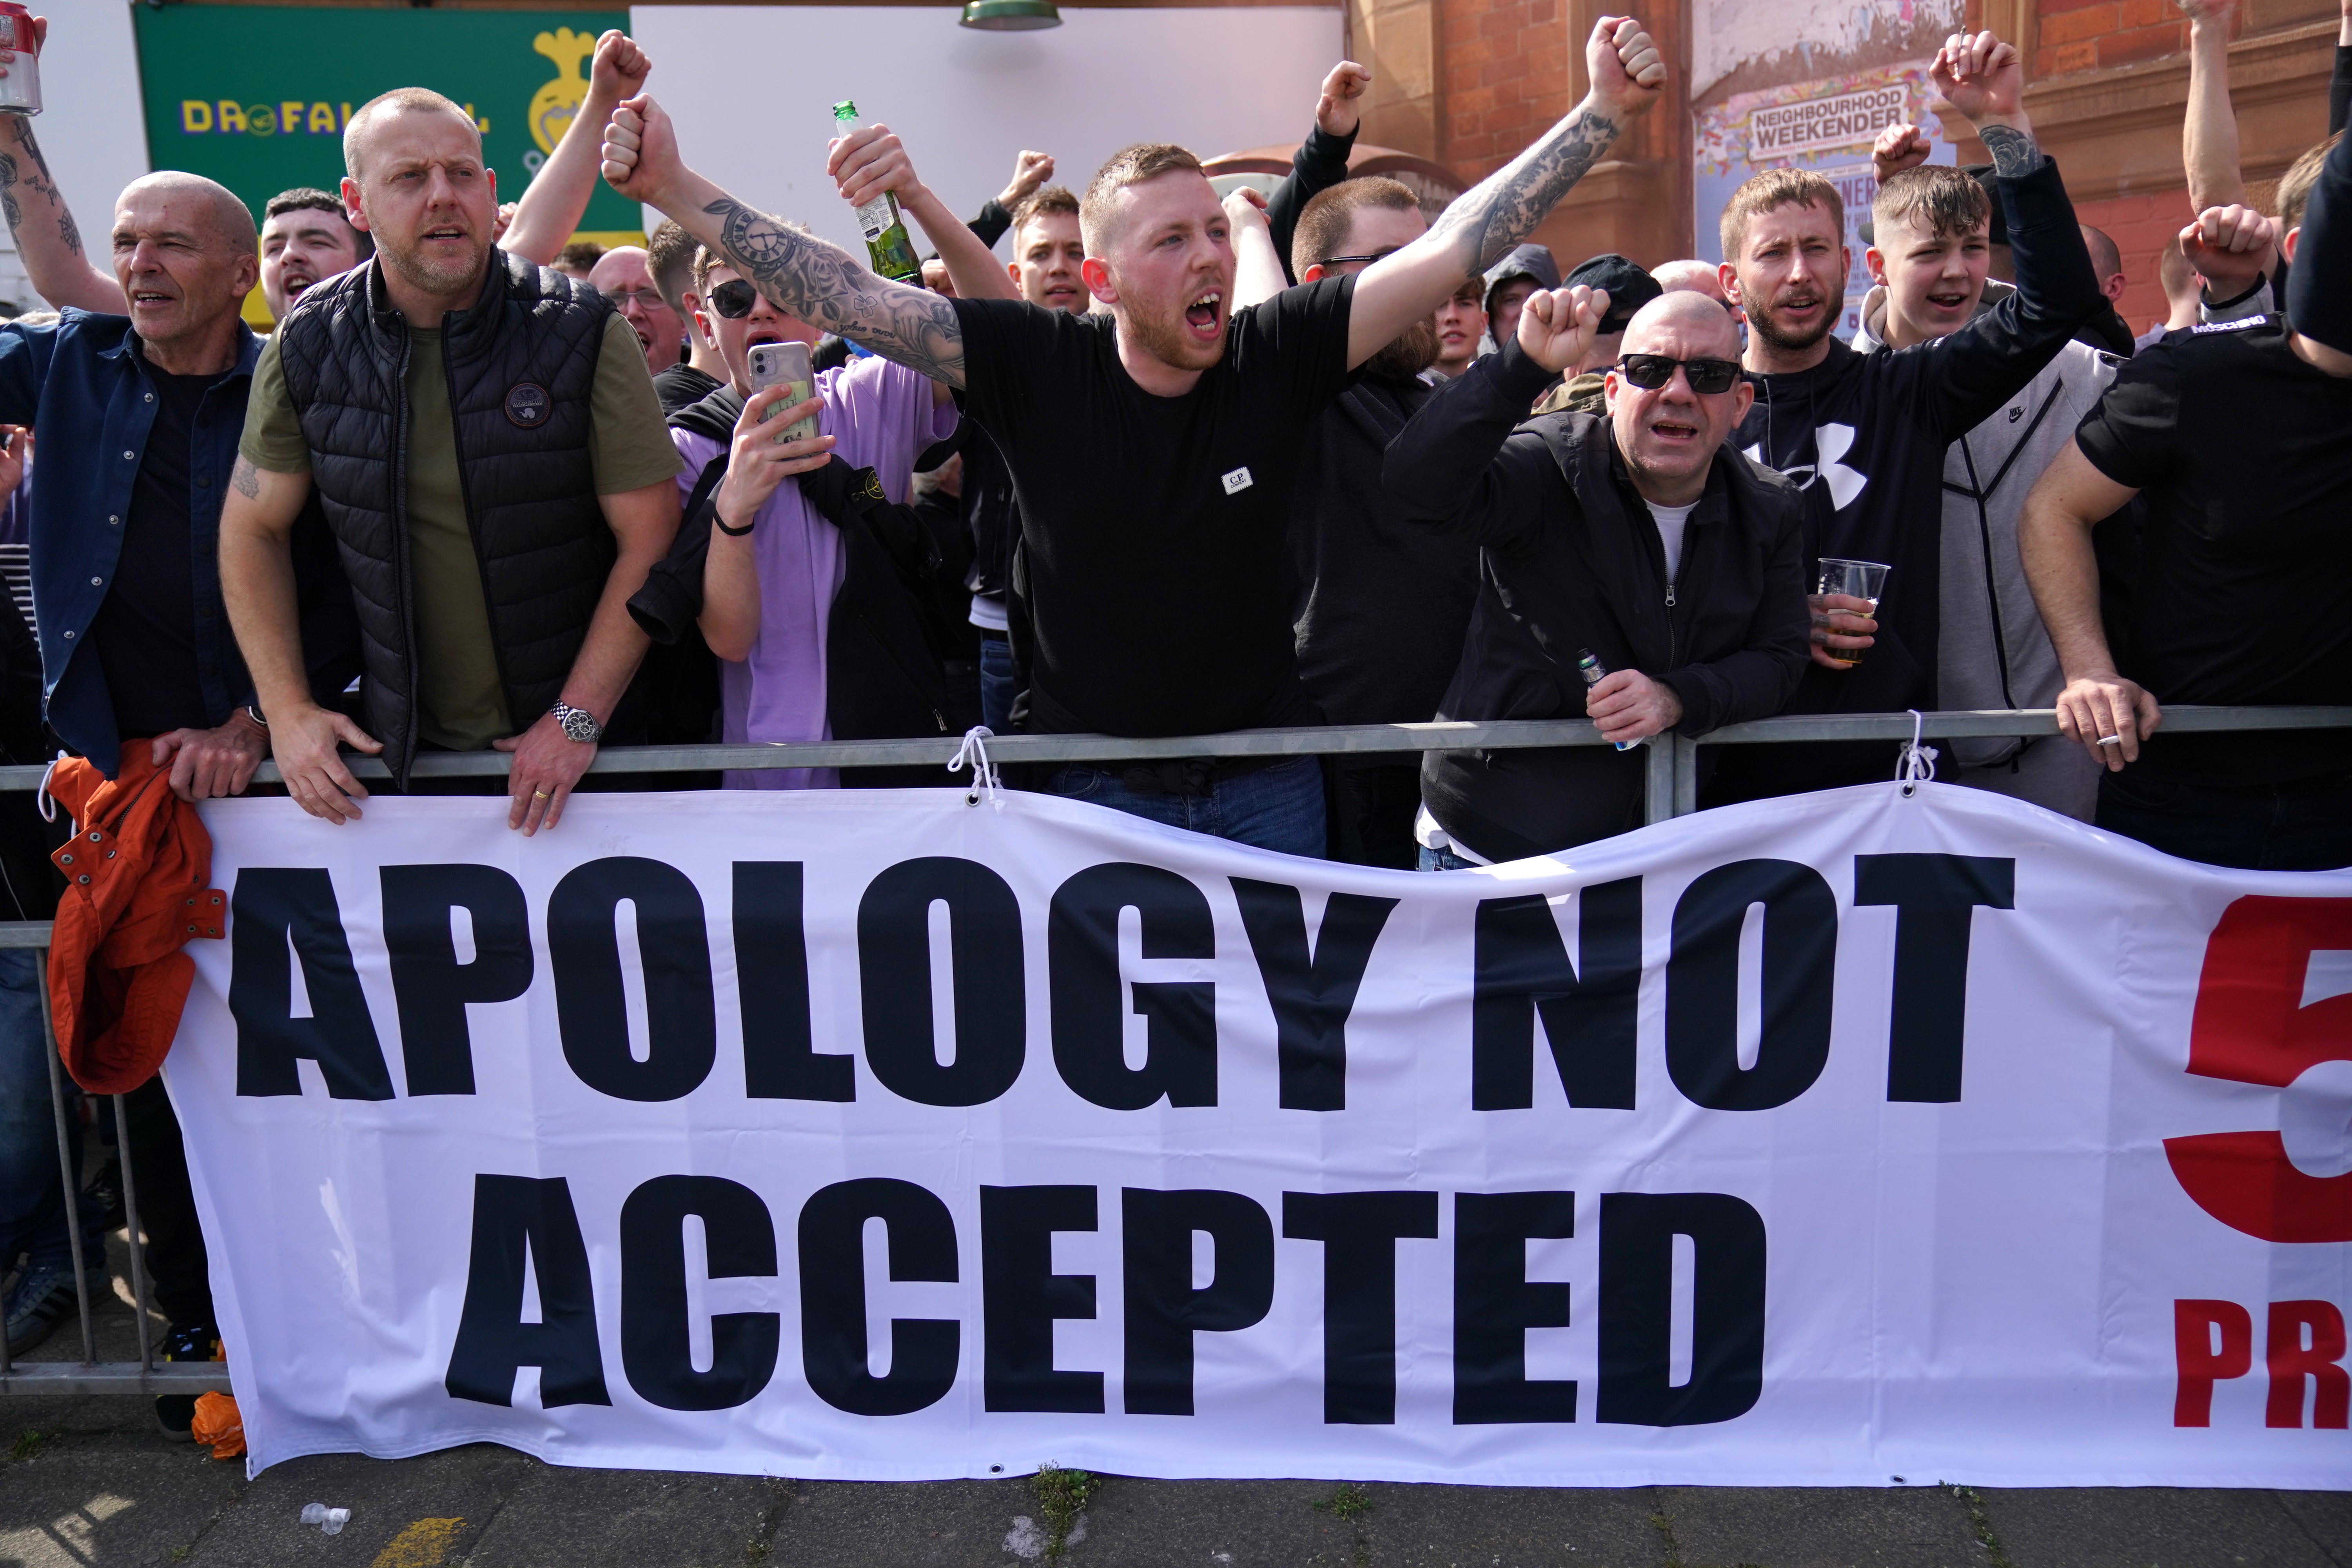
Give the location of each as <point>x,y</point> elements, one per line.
<point>1671,519</point>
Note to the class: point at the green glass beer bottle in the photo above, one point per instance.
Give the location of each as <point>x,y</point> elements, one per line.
<point>888,247</point>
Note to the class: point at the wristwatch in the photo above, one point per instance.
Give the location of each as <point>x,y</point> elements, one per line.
<point>579,725</point>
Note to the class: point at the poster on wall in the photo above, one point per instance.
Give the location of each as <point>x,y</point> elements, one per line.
<point>256,97</point>
<point>1777,84</point>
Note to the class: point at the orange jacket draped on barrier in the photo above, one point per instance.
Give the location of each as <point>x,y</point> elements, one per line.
<point>136,871</point>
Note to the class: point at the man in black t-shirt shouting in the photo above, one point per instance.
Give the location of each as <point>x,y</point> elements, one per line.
<point>1153,446</point>
<point>2234,434</point>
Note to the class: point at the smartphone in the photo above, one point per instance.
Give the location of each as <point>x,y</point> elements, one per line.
<point>784,365</point>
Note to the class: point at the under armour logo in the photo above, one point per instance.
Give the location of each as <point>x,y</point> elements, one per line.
<point>1831,442</point>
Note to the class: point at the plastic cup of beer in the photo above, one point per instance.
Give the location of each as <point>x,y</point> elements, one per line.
<point>1856,579</point>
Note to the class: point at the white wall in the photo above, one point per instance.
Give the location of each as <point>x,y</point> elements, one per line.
<point>751,90</point>
<point>91,126</point>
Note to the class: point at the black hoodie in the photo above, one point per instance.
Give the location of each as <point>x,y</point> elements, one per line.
<point>1864,435</point>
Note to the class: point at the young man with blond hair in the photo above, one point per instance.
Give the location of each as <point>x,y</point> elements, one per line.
<point>1930,226</point>
<point>1154,448</point>
<point>1865,435</point>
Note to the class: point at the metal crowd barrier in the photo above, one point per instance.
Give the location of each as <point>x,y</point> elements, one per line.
<point>1672,789</point>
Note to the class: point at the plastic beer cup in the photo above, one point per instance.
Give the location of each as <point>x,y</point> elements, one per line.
<point>1856,579</point>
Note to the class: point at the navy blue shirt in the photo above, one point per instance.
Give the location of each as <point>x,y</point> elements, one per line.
<point>86,390</point>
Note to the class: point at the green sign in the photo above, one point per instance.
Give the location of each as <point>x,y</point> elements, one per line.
<point>257,96</point>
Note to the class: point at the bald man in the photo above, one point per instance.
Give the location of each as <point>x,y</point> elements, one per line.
<point>624,275</point>
<point>1639,538</point>
<point>1695,276</point>
<point>137,417</point>
<point>494,503</point>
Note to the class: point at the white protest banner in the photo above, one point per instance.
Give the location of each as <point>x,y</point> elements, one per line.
<point>1848,1139</point>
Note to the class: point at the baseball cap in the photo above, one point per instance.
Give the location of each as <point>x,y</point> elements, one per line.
<point>1630,287</point>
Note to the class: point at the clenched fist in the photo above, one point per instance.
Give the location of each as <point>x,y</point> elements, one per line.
<point>1629,75</point>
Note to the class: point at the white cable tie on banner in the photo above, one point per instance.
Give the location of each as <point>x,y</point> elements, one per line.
<point>42,799</point>
<point>973,753</point>
<point>1919,762</point>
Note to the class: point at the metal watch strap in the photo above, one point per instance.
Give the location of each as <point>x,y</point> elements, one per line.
<point>578,724</point>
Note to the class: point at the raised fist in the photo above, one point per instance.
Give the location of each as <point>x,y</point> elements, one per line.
<point>1030,170</point>
<point>620,68</point>
<point>1899,147</point>
<point>2230,248</point>
<point>1556,326</point>
<point>1340,109</point>
<point>1628,74</point>
<point>1979,76</point>
<point>640,150</point>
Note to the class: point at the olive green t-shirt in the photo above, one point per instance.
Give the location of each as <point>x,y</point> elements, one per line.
<point>461,703</point>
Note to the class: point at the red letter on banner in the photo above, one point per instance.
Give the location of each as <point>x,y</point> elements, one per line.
<point>2251,1026</point>
<point>2291,1360</point>
<point>2202,1365</point>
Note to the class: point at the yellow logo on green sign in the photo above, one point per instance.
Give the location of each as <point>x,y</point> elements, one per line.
<point>553,106</point>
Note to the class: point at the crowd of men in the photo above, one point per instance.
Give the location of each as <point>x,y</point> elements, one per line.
<point>1183,465</point>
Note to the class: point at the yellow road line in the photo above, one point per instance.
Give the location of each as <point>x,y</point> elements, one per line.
<point>423,1544</point>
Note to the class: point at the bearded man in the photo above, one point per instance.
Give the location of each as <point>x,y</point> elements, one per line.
<point>1865,435</point>
<point>493,462</point>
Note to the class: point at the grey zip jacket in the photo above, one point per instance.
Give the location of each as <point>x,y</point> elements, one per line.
<point>1994,651</point>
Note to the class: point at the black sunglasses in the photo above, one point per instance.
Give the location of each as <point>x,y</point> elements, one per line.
<point>734,299</point>
<point>1652,371</point>
<point>1376,255</point>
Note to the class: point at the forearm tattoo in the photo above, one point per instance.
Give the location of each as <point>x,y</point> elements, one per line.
<point>821,284</point>
<point>38,181</point>
<point>2014,152</point>
<point>1505,207</point>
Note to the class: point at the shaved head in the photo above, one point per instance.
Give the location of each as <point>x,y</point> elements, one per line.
<point>1697,277</point>
<point>378,113</point>
<point>225,218</point>
<point>1702,326</point>
<point>1669,435</point>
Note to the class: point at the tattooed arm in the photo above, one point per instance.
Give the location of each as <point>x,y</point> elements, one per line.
<point>804,276</point>
<point>47,237</point>
<point>1504,208</point>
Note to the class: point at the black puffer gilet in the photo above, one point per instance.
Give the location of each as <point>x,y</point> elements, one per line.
<point>521,364</point>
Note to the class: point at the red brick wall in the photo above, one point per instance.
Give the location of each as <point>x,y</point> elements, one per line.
<point>2086,34</point>
<point>2139,225</point>
<point>1506,79</point>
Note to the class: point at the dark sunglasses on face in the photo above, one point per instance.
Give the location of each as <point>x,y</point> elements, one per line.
<point>1375,256</point>
<point>1652,371</point>
<point>734,299</point>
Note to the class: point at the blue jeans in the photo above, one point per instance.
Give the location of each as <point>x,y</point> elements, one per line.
<point>2295,827</point>
<point>1442,860</point>
<point>998,685</point>
<point>1278,808</point>
<point>32,1203</point>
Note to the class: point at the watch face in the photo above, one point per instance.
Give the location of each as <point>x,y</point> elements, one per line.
<point>579,724</point>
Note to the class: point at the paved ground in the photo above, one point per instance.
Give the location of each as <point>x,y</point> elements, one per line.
<point>89,1482</point>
